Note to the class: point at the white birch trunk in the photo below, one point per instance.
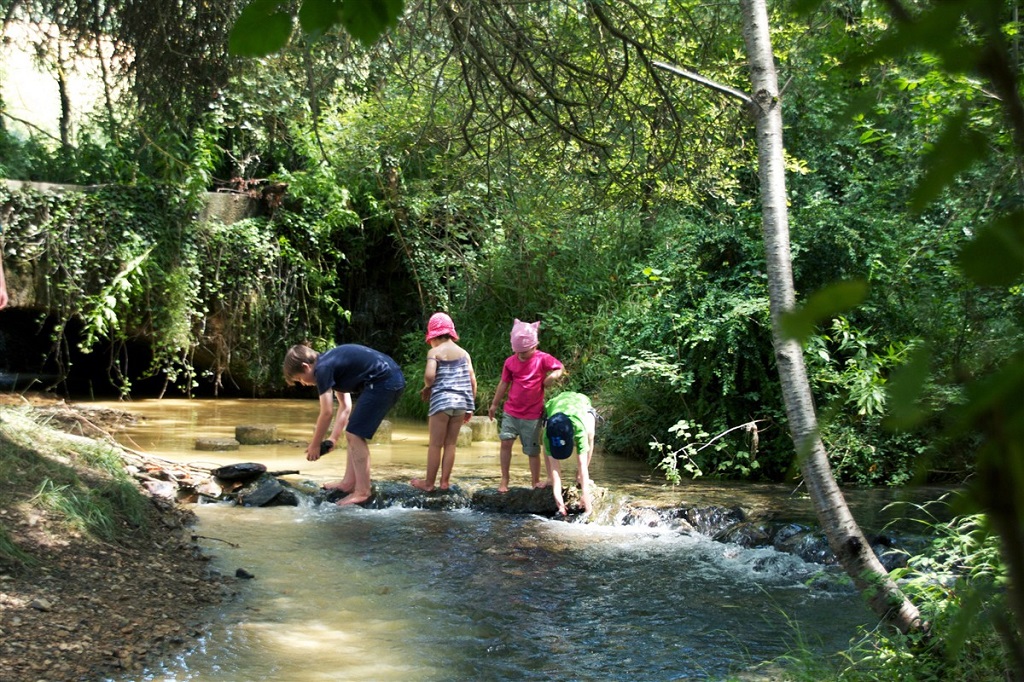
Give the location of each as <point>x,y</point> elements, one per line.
<point>844,535</point>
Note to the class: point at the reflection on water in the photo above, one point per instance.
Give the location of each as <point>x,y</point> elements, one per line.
<point>358,594</point>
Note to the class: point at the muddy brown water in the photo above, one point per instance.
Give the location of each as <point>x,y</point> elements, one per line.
<point>407,594</point>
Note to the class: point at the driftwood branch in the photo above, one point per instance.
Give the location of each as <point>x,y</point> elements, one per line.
<point>207,537</point>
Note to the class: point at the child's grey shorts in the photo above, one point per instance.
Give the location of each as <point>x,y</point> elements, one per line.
<point>526,430</point>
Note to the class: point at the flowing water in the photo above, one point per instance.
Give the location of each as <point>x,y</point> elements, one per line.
<point>406,594</point>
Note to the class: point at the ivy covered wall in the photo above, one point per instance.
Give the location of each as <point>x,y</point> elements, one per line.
<point>170,293</point>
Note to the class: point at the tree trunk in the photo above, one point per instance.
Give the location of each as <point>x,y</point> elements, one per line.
<point>844,535</point>
<point>65,99</point>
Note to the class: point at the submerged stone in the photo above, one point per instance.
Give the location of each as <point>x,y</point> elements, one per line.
<point>392,494</point>
<point>285,498</point>
<point>216,444</point>
<point>256,434</point>
<point>713,520</point>
<point>747,534</point>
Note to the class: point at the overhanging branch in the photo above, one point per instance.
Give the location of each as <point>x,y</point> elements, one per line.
<point>707,82</point>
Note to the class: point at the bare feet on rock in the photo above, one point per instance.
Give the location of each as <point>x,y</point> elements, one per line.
<point>420,484</point>
<point>353,498</point>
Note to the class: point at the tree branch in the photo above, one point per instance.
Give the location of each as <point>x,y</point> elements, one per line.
<point>707,82</point>
<point>31,125</point>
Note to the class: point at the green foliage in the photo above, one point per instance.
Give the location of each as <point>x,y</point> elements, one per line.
<point>958,581</point>
<point>996,256</point>
<point>694,342</point>
<point>848,361</point>
<point>822,306</point>
<point>132,262</point>
<point>264,26</point>
<point>669,460</point>
<point>106,505</point>
<point>106,512</point>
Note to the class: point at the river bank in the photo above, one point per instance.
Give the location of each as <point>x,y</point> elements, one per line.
<point>73,606</point>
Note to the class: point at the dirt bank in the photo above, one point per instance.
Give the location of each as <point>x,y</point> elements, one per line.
<point>78,608</point>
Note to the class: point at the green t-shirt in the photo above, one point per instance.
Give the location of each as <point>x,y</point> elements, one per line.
<point>574,406</point>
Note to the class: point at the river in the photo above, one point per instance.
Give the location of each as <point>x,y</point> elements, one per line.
<point>408,594</point>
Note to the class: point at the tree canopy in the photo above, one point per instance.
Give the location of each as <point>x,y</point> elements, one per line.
<point>594,165</point>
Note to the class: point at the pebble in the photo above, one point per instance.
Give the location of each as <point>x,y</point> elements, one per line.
<point>40,604</point>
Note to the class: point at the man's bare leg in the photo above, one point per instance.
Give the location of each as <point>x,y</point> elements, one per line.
<point>590,423</point>
<point>584,466</point>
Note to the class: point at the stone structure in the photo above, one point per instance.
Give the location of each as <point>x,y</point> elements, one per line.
<point>483,428</point>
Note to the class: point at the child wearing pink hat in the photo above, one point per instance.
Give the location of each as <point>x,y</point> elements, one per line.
<point>523,377</point>
<point>449,383</point>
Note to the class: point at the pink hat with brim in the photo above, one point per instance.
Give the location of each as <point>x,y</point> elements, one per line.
<point>441,325</point>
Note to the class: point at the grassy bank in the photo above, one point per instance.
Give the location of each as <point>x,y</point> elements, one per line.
<point>97,578</point>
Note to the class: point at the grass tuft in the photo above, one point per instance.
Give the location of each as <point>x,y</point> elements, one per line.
<point>10,553</point>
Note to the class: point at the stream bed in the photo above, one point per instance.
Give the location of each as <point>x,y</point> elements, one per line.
<point>411,594</point>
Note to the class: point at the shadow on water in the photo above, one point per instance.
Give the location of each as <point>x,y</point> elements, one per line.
<point>400,594</point>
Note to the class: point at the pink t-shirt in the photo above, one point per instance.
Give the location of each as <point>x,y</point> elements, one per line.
<point>525,381</point>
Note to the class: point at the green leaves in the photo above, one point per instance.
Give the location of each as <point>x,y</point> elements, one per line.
<point>996,255</point>
<point>366,20</point>
<point>265,26</point>
<point>956,150</point>
<point>936,30</point>
<point>905,388</point>
<point>821,306</point>
<point>316,18</point>
<point>262,28</point>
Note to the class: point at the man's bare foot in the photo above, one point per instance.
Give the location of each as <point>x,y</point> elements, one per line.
<point>339,486</point>
<point>420,484</point>
<point>503,487</point>
<point>353,498</point>
<point>541,484</point>
<point>444,486</point>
